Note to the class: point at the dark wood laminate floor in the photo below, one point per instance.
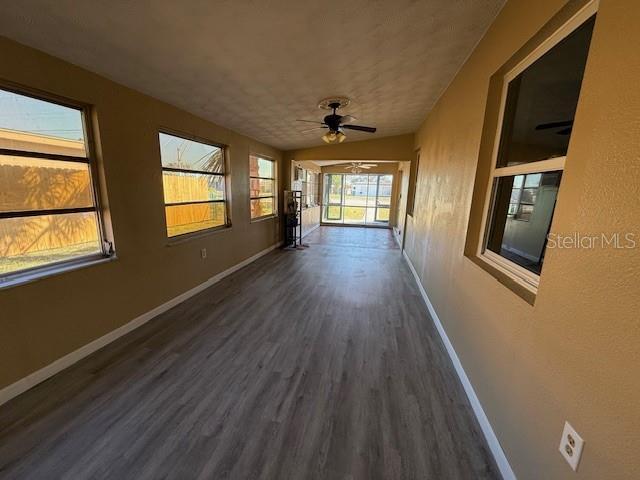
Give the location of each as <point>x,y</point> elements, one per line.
<point>312,364</point>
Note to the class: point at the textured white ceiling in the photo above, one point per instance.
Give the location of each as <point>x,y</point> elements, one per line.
<point>257,66</point>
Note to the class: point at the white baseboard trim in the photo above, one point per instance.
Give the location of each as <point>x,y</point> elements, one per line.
<point>30,381</point>
<point>398,236</point>
<point>487,430</point>
<point>309,231</point>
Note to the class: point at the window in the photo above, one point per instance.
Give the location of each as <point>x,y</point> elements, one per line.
<point>308,182</point>
<point>262,172</point>
<point>523,196</point>
<point>193,176</point>
<point>333,198</point>
<point>49,215</point>
<point>357,198</point>
<point>310,189</point>
<point>539,103</point>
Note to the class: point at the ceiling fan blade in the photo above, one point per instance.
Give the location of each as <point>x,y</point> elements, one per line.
<point>365,166</point>
<point>360,128</point>
<point>310,121</point>
<point>545,126</point>
<point>347,119</point>
<point>314,129</point>
<point>370,165</point>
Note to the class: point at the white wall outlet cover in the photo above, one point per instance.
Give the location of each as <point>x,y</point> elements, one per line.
<point>203,253</point>
<point>571,446</point>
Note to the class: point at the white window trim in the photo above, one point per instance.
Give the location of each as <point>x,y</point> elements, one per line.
<point>521,275</point>
<point>540,166</point>
<point>50,270</point>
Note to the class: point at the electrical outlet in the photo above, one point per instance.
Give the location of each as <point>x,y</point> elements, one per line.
<point>203,253</point>
<point>571,446</point>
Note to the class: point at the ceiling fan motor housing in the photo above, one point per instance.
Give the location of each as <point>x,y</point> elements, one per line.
<point>337,123</point>
<point>333,122</point>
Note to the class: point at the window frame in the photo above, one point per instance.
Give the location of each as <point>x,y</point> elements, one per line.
<point>382,206</point>
<point>227,184</point>
<point>517,215</point>
<point>310,193</point>
<point>525,278</point>
<point>327,203</point>
<point>107,250</point>
<point>275,187</point>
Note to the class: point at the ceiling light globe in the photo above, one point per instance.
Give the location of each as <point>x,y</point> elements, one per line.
<point>330,137</point>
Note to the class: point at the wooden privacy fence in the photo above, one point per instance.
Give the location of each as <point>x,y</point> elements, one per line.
<point>185,187</point>
<point>28,188</point>
<point>45,185</point>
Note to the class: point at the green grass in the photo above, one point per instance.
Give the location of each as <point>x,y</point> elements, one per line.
<point>41,258</point>
<point>175,230</point>
<point>383,215</point>
<point>354,214</point>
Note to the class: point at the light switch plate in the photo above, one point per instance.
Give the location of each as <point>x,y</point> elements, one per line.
<point>571,446</point>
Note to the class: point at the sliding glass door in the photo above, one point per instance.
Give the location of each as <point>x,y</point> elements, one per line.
<point>357,199</point>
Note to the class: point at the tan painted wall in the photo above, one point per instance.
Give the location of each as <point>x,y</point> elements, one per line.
<point>42,321</point>
<point>575,354</point>
<point>310,219</point>
<point>397,148</point>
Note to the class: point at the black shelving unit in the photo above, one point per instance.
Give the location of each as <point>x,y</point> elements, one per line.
<point>293,218</point>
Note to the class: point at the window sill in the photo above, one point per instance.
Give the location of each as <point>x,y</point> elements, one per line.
<point>518,286</point>
<point>51,271</point>
<point>262,219</point>
<point>187,237</point>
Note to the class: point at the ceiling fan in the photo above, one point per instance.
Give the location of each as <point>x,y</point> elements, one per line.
<point>357,167</point>
<point>565,131</point>
<point>336,123</point>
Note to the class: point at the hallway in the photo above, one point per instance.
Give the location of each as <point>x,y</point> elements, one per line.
<point>352,237</point>
<point>310,364</point>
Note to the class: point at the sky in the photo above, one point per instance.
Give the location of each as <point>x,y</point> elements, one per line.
<point>192,154</point>
<point>26,114</point>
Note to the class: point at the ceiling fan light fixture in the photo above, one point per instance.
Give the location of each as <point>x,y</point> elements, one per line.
<point>330,137</point>
<point>335,122</point>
